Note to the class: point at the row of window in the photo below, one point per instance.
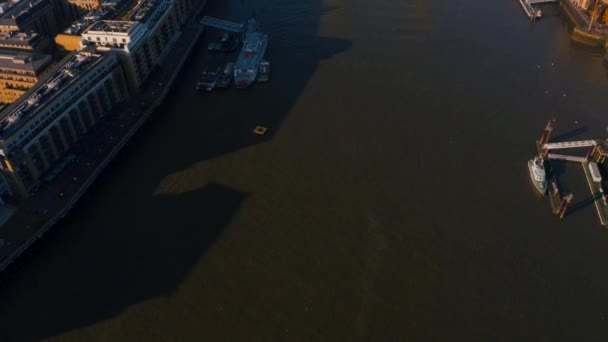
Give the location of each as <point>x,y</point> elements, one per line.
<point>43,118</point>
<point>50,145</point>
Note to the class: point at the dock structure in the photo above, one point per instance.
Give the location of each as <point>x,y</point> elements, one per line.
<point>554,194</point>
<point>597,193</point>
<point>566,157</point>
<point>223,24</point>
<point>563,206</point>
<point>544,138</point>
<point>569,144</point>
<point>600,153</point>
<point>531,12</point>
<point>597,153</point>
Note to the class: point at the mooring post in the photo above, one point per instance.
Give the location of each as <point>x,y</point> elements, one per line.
<point>563,206</point>
<point>544,138</point>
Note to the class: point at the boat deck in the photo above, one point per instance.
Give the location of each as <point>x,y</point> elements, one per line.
<point>245,62</point>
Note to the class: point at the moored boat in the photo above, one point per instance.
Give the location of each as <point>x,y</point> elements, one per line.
<point>208,80</point>
<point>248,63</point>
<point>538,174</point>
<point>225,77</point>
<point>264,74</point>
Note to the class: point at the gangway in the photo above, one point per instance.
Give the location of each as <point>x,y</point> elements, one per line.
<point>222,24</point>
<point>567,158</point>
<point>569,144</point>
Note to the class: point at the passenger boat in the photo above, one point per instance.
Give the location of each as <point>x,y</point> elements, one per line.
<point>247,65</point>
<point>538,175</point>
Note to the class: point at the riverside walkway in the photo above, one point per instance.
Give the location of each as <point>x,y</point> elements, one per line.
<point>38,214</point>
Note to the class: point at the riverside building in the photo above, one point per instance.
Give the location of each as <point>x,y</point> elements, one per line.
<point>37,132</point>
<point>143,41</point>
<point>31,15</point>
<point>25,41</point>
<point>20,71</point>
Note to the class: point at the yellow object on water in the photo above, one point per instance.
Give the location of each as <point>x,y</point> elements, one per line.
<point>260,130</point>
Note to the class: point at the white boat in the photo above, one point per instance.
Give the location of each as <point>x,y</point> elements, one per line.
<point>538,174</point>
<point>248,63</point>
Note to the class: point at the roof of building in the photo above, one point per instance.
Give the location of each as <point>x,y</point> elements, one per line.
<point>68,71</point>
<point>77,27</point>
<point>97,14</point>
<point>19,38</point>
<point>112,26</point>
<point>12,11</point>
<point>146,10</point>
<point>34,62</point>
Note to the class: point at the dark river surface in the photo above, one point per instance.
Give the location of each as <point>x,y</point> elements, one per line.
<point>389,201</point>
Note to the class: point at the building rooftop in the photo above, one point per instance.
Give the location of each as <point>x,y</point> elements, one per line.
<point>33,62</point>
<point>112,26</point>
<point>19,38</point>
<point>147,10</point>
<point>110,4</point>
<point>98,14</point>
<point>66,73</point>
<point>10,11</point>
<point>77,27</point>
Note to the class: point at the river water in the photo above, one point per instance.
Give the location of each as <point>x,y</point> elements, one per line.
<point>389,200</point>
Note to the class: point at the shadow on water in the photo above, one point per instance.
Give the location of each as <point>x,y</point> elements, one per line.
<point>570,134</point>
<point>121,247</point>
<point>555,170</point>
<point>112,270</point>
<point>227,116</point>
<point>582,204</point>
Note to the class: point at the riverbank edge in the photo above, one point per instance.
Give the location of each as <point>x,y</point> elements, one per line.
<point>125,139</point>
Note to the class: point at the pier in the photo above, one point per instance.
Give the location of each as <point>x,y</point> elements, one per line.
<point>597,195</point>
<point>222,24</point>
<point>597,151</point>
<point>566,158</point>
<point>531,12</point>
<point>569,144</point>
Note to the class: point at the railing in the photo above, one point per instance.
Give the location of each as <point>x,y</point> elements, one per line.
<point>222,24</point>
<point>567,158</point>
<point>569,144</point>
